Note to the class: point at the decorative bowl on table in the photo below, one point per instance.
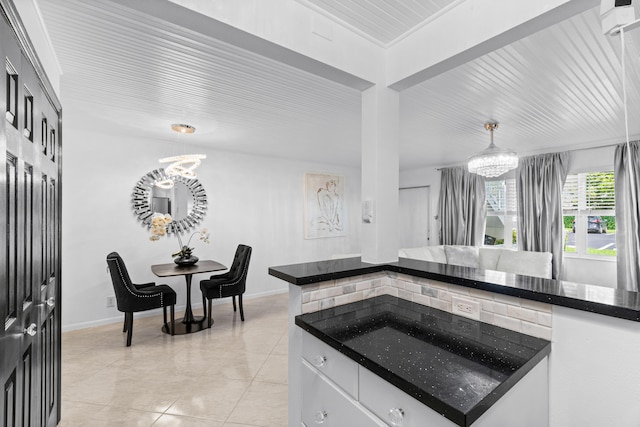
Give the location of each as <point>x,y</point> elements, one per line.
<point>185,261</point>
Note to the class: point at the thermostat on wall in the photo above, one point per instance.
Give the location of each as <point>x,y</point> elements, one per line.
<point>368,208</point>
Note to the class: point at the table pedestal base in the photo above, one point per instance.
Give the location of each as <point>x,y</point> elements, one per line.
<point>197,324</point>
<point>189,323</point>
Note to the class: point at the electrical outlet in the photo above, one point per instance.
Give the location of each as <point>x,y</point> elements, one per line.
<point>111,301</point>
<point>466,308</point>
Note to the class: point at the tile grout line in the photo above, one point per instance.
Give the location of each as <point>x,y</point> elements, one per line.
<point>253,379</point>
<point>114,360</point>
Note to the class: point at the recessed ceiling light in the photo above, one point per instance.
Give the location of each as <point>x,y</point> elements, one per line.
<point>182,128</point>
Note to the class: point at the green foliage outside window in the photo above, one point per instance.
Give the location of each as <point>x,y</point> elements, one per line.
<point>568,222</point>
<point>611,222</point>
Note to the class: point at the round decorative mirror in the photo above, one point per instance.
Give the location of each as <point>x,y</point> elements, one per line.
<point>185,200</point>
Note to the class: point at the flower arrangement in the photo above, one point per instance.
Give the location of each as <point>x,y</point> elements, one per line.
<point>185,250</point>
<point>159,224</point>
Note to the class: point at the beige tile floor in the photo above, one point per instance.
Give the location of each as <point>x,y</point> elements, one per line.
<point>232,375</point>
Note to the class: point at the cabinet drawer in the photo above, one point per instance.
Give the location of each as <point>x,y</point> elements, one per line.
<point>393,405</point>
<point>337,367</point>
<point>327,405</point>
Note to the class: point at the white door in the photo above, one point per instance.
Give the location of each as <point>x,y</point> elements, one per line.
<point>413,216</point>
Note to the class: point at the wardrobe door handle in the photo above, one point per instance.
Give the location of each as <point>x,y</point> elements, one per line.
<point>396,417</point>
<point>319,361</point>
<point>320,417</point>
<point>31,330</point>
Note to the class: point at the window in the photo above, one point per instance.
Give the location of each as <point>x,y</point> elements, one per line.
<point>501,213</point>
<point>588,208</point>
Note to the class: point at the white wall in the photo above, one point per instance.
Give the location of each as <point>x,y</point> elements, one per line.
<point>252,200</point>
<point>593,379</point>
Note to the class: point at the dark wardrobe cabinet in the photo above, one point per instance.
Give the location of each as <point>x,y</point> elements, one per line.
<point>30,207</point>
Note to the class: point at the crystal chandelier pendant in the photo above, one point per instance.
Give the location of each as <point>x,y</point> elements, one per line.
<point>184,165</point>
<point>493,161</point>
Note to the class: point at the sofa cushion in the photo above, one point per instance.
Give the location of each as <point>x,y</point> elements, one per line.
<point>413,253</point>
<point>489,257</point>
<point>465,256</point>
<point>341,256</point>
<point>436,253</point>
<point>527,263</point>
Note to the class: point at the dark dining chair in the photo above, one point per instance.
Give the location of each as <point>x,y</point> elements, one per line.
<point>133,298</point>
<point>228,284</point>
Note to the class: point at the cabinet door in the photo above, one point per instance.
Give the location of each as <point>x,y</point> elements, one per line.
<point>394,406</point>
<point>336,366</point>
<point>29,236</point>
<point>525,405</point>
<point>325,404</point>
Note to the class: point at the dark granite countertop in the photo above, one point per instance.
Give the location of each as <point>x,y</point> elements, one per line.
<point>596,299</point>
<point>459,367</point>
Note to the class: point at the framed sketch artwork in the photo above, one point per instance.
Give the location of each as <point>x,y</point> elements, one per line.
<point>324,209</point>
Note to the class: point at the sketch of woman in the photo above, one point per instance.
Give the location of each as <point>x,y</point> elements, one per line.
<point>329,205</point>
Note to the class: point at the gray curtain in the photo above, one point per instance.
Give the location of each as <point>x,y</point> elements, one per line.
<point>462,207</point>
<point>627,177</point>
<point>539,182</point>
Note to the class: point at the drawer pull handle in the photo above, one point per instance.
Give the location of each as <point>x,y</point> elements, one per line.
<point>31,330</point>
<point>51,301</point>
<point>396,416</point>
<point>320,361</point>
<point>320,417</point>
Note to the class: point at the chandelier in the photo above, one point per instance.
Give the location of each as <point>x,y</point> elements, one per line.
<point>183,165</point>
<point>493,161</point>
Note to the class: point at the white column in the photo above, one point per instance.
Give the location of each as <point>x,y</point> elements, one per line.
<point>380,173</point>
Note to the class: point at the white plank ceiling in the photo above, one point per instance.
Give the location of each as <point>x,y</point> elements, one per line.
<point>128,72</point>
<point>558,89</point>
<point>383,21</point>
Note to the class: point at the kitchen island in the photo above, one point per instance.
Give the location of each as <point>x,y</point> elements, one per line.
<point>457,367</point>
<point>594,331</point>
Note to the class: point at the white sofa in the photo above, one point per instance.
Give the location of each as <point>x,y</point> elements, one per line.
<point>536,264</point>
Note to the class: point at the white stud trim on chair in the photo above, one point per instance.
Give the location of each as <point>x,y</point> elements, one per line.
<point>160,294</point>
<point>244,273</point>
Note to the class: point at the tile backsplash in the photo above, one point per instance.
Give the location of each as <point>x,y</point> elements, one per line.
<point>521,315</point>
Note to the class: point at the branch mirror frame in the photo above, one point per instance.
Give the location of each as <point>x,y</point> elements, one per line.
<point>141,200</point>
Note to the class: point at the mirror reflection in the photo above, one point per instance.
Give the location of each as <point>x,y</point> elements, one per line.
<point>185,200</point>
<point>175,201</point>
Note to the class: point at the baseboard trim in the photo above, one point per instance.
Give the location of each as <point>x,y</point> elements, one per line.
<point>120,316</point>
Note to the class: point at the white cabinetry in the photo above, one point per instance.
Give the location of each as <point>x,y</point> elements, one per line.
<point>395,407</point>
<point>330,388</point>
<point>336,391</point>
<point>324,403</point>
<point>330,362</point>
